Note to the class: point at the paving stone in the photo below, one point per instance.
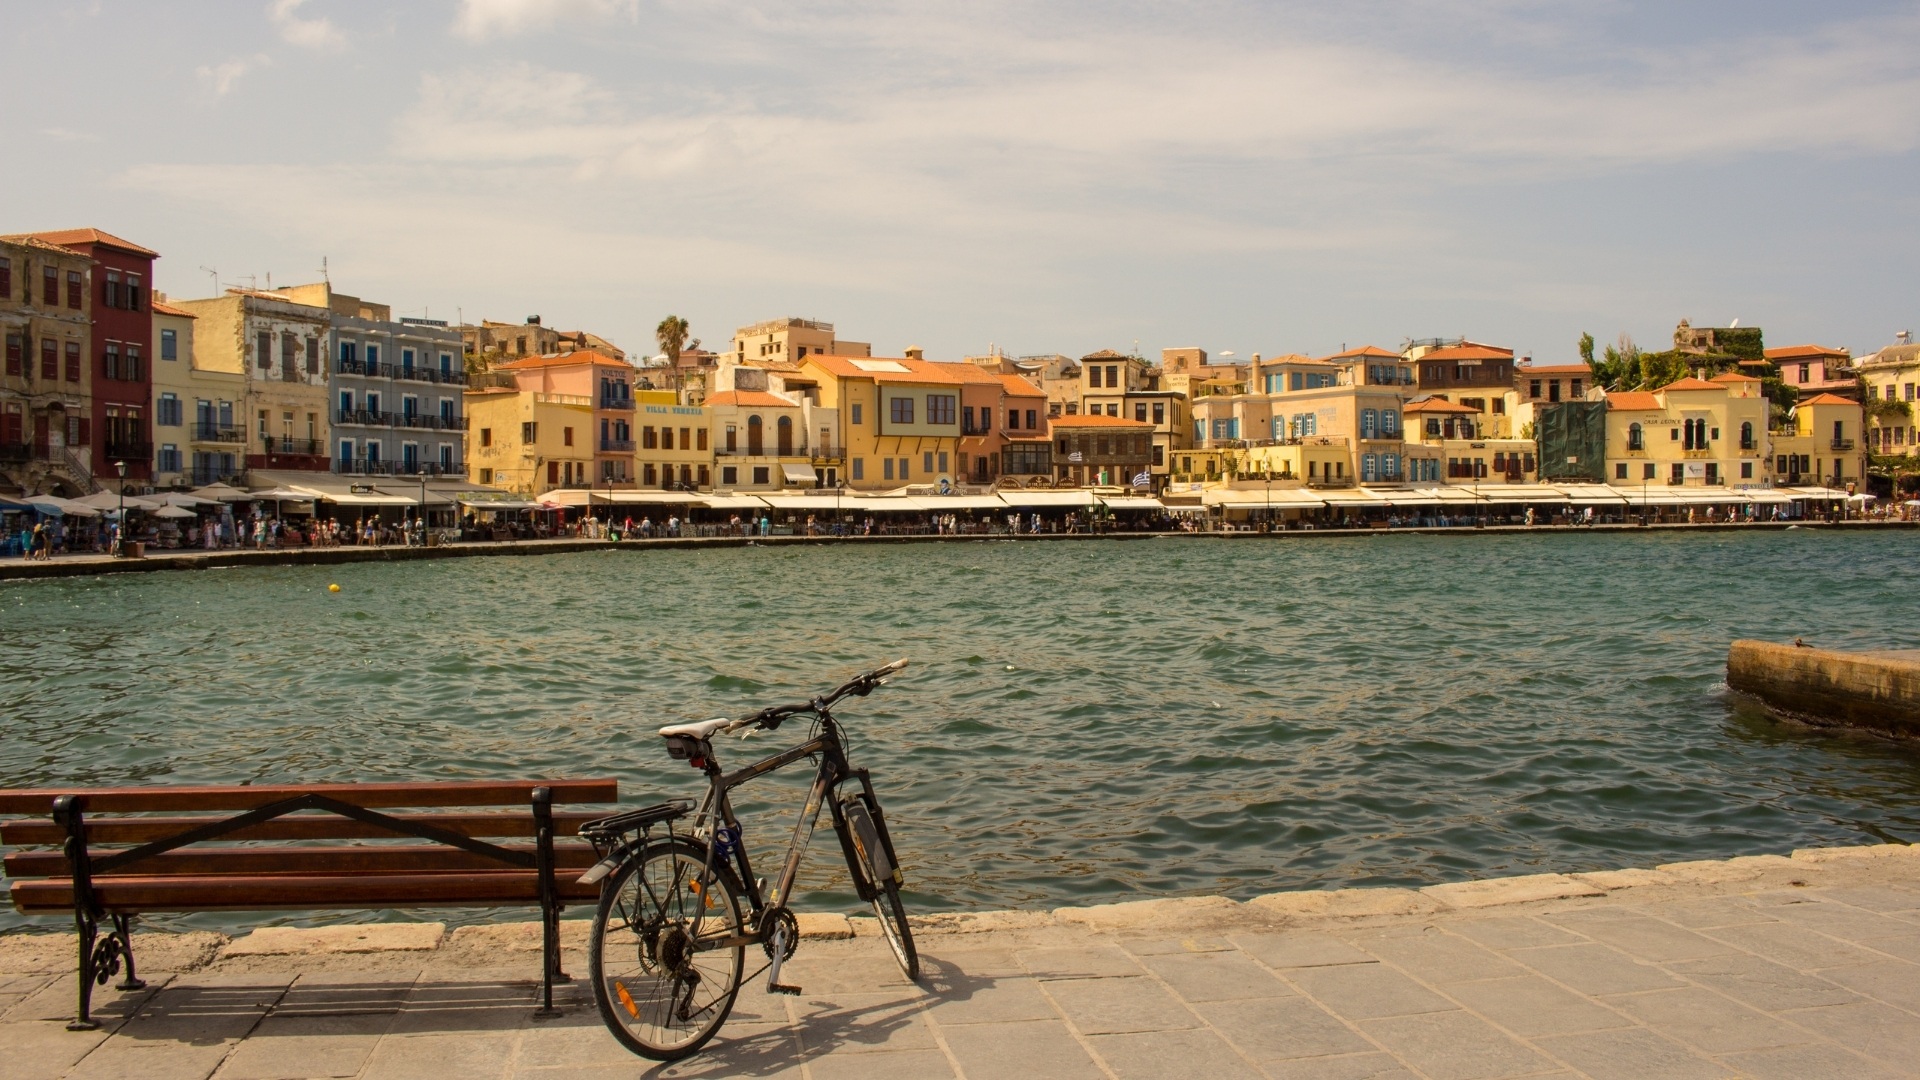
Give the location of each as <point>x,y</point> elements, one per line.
<point>333,993</point>
<point>1454,1046</point>
<point>1641,936</point>
<point>58,999</point>
<point>440,1006</point>
<point>1435,956</point>
<point>119,1059</point>
<point>1281,1029</point>
<point>1813,1061</point>
<point>1020,1051</point>
<point>1172,1053</point>
<point>1120,1005</point>
<point>467,1055</point>
<point>1893,982</point>
<point>1866,851</point>
<point>1792,945</point>
<point>1614,880</point>
<point>1135,915</point>
<point>43,1049</point>
<point>1176,946</point>
<point>1762,983</point>
<point>358,938</point>
<point>1837,920</point>
<point>207,1009</point>
<point>1345,903</point>
<point>1882,1032</point>
<point>1706,1021</point>
<point>1514,890</point>
<point>1090,962</point>
<point>1906,948</point>
<point>993,1001</point>
<point>970,962</point>
<point>1632,1054</point>
<point>894,1066</point>
<point>585,1047</point>
<point>1300,949</point>
<point>1344,1067</point>
<point>1711,913</point>
<point>1594,969</point>
<point>1365,991</point>
<point>1719,871</point>
<point>1513,932</point>
<point>857,1023</point>
<point>762,1051</point>
<point>1220,976</point>
<point>842,974</point>
<point>1530,1006</point>
<point>296,1047</point>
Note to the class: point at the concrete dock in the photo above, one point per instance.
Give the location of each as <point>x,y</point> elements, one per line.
<point>1875,691</point>
<point>1799,967</point>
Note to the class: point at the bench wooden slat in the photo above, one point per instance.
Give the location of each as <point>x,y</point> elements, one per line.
<point>376,795</point>
<point>300,891</point>
<point>294,860</point>
<point>292,827</point>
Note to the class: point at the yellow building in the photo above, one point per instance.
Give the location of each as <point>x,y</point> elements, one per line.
<point>900,418</point>
<point>199,414</point>
<point>792,340</point>
<point>1461,443</point>
<point>1891,376</point>
<point>1823,447</point>
<point>529,441</point>
<point>1692,432</point>
<point>46,387</point>
<point>278,345</point>
<point>674,444</point>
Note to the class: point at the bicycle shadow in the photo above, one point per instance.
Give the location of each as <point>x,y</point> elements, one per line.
<point>833,1022</point>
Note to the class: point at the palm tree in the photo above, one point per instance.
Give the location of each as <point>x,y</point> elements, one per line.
<point>672,335</point>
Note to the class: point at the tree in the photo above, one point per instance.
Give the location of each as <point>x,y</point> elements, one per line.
<point>1619,369</point>
<point>672,335</point>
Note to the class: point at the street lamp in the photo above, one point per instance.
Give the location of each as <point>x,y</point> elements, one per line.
<point>120,540</point>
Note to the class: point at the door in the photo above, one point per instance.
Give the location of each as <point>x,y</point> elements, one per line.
<point>755,441</point>
<point>784,435</point>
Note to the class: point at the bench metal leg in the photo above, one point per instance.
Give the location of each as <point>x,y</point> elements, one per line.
<point>88,932</point>
<point>123,929</point>
<point>550,972</point>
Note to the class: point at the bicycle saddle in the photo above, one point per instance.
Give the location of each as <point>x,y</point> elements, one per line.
<point>699,729</point>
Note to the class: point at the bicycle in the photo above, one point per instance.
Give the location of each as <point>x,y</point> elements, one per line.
<point>670,935</point>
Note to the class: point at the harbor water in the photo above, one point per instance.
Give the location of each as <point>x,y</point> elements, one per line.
<point>1084,722</point>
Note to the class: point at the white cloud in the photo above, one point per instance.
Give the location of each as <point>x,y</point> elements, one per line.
<point>307,33</point>
<point>221,78</point>
<point>482,19</point>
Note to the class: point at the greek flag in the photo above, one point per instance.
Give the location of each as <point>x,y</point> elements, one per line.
<point>1143,479</point>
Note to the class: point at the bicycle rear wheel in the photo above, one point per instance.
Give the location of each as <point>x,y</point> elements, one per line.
<point>662,987</point>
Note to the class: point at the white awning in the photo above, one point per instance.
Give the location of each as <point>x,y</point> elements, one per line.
<point>1518,493</point>
<point>1278,498</point>
<point>1131,502</point>
<point>799,474</point>
<point>1766,495</point>
<point>498,504</point>
<point>732,502</point>
<point>942,504</point>
<point>1592,495</point>
<point>348,498</point>
<point>810,501</point>
<point>647,498</point>
<point>1816,493</point>
<point>1047,498</point>
<point>1337,497</point>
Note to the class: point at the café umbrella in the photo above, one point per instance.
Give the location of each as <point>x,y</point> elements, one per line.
<point>174,512</point>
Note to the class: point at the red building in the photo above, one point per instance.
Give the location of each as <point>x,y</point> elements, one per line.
<point>122,351</point>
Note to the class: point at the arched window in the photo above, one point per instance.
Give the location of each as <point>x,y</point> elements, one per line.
<point>1746,435</point>
<point>783,435</point>
<point>755,439</point>
<point>1634,440</point>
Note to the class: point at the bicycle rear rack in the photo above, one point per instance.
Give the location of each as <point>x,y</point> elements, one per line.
<point>609,830</point>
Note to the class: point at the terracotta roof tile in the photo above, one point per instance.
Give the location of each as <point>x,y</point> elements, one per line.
<point>1796,352</point>
<point>1632,401</point>
<point>161,307</point>
<point>32,241</point>
<point>70,237</point>
<point>1098,421</point>
<point>1437,405</point>
<point>1467,352</point>
<point>914,371</point>
<point>1828,399</point>
<point>1551,369</point>
<point>1020,387</point>
<point>1364,350</point>
<point>1690,383</point>
<point>1733,377</point>
<point>572,359</point>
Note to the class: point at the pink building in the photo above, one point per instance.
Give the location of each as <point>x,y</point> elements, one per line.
<point>603,382</point>
<point>1815,369</point>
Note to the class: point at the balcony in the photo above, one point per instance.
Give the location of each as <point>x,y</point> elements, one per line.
<point>308,447</point>
<point>767,452</point>
<point>218,433</point>
<point>1841,444</point>
<point>616,446</point>
<point>129,451</point>
<point>396,467</point>
<point>432,422</point>
<point>202,475</point>
<point>617,404</point>
<point>431,375</point>
<point>20,451</point>
<point>363,418</point>
<point>976,428</point>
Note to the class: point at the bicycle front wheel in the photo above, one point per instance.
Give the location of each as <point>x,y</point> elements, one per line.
<point>874,862</point>
<point>661,977</point>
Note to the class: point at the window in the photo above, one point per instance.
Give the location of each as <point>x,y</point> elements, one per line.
<point>110,288</point>
<point>1576,389</point>
<point>168,412</point>
<point>886,468</point>
<point>1533,388</point>
<point>666,438</point>
<point>75,296</point>
<point>1906,391</point>
<point>529,432</point>
<point>313,356</point>
<point>263,350</point>
<point>1032,421</point>
<point>49,286</point>
<point>169,457</point>
<point>1746,470</point>
<point>1636,438</point>
<point>859,468</point>
<point>1620,471</point>
<point>1390,422</point>
<point>73,361</point>
<point>486,476</point>
<point>6,279</point>
<point>1678,474</point>
<point>373,358</point>
<point>1890,391</point>
<point>926,462</point>
<point>132,294</point>
<point>1113,375</point>
<point>169,345</point>
<point>566,436</point>
<point>553,472</point>
<point>16,354</point>
<point>1093,376</point>
<point>1746,435</point>
<point>1553,389</point>
<point>902,410</point>
<point>760,474</point>
<point>49,359</point>
<point>1369,424</point>
<point>729,475</point>
<point>856,412</point>
<point>1159,412</point>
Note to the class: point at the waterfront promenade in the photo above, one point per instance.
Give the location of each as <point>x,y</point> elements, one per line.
<point>1800,967</point>
<point>194,559</point>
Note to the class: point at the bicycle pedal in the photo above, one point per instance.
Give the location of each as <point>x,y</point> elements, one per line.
<point>783,988</point>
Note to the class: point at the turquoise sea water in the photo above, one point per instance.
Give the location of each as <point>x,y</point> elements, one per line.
<point>1084,722</point>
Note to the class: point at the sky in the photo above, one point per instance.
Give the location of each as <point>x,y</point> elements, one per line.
<point>1037,177</point>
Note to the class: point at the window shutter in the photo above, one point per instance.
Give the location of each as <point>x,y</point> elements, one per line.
<point>86,432</point>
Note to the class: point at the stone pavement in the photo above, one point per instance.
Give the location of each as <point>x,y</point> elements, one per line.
<point>1802,968</point>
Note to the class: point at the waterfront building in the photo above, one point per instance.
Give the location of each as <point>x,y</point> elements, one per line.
<point>199,414</point>
<point>674,446</point>
<point>1469,374</point>
<point>1459,443</point>
<point>122,346</point>
<point>1890,376</point>
<point>900,418</point>
<point>1187,371</point>
<point>608,384</point>
<point>1823,445</point>
<point>1816,369</point>
<point>46,405</point>
<point>396,388</point>
<point>1352,398</point>
<point>1691,432</point>
<point>792,340</point>
<point>1101,451</point>
<point>760,439</point>
<point>1004,427</point>
<point>278,346</point>
<point>530,441</point>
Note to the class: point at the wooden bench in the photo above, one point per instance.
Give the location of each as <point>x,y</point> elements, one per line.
<point>123,852</point>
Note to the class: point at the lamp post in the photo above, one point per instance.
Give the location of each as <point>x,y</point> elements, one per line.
<point>120,540</point>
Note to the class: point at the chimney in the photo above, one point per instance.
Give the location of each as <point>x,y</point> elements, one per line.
<point>533,320</point>
<point>915,352</point>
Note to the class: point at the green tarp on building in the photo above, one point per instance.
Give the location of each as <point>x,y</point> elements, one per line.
<point>1573,442</point>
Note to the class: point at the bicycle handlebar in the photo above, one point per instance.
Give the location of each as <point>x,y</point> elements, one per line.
<point>861,685</point>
